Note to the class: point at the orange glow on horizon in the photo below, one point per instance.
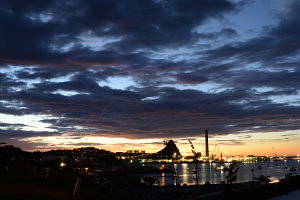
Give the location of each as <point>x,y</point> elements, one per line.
<point>258,144</point>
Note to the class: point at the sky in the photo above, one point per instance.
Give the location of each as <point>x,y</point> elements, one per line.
<point>128,74</point>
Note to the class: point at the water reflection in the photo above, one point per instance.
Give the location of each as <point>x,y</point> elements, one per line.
<point>208,172</point>
<point>185,172</point>
<point>222,175</point>
<point>202,173</point>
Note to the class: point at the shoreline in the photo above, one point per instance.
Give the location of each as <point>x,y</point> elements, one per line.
<point>247,190</point>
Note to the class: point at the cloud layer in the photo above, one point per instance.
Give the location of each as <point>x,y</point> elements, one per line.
<point>147,69</point>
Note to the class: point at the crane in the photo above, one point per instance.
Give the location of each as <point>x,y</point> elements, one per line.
<point>216,147</point>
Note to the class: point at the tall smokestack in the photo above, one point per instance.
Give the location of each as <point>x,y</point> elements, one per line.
<point>206,144</point>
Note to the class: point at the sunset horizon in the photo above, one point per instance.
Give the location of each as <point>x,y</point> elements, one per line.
<point>251,147</point>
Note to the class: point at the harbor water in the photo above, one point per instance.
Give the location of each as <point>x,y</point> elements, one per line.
<point>208,173</point>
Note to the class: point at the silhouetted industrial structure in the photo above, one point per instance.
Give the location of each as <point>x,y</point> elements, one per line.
<point>206,144</point>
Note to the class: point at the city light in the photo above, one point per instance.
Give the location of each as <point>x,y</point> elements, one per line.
<point>275,181</point>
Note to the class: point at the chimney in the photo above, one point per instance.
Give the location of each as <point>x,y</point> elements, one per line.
<point>206,144</point>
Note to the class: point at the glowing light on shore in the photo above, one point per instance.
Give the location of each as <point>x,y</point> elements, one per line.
<point>275,181</point>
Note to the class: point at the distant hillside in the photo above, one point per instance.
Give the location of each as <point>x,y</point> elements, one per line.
<point>170,151</point>
<point>9,151</point>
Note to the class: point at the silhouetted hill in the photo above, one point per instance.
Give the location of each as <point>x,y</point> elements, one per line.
<point>170,151</point>
<point>9,151</point>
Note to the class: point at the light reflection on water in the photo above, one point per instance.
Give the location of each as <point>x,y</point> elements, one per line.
<point>207,172</point>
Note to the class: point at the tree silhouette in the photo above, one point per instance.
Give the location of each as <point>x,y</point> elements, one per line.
<point>195,163</point>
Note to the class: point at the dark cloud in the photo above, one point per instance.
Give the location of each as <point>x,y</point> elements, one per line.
<point>11,125</point>
<point>13,133</point>
<point>227,33</point>
<point>56,55</point>
<point>6,82</point>
<point>48,25</point>
<point>175,113</point>
<point>192,78</point>
<point>38,73</point>
<point>289,135</point>
<point>230,142</point>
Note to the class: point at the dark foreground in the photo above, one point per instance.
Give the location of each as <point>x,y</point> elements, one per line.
<point>34,186</point>
<point>60,186</point>
<point>252,190</point>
